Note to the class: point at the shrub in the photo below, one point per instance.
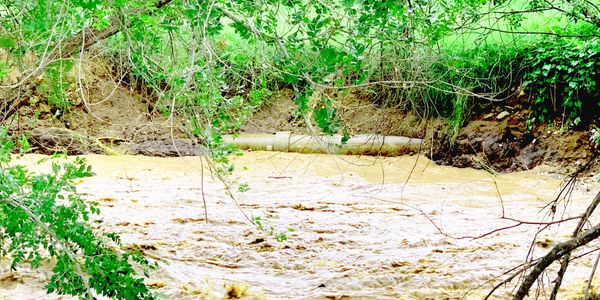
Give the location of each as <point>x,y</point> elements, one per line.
<point>563,78</point>
<point>44,220</point>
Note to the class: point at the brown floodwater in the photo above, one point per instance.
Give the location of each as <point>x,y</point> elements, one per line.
<point>363,227</point>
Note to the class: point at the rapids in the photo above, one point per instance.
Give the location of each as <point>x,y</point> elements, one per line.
<point>363,227</point>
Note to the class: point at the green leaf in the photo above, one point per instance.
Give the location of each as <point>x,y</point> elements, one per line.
<point>328,120</point>
<point>6,42</point>
<point>4,70</point>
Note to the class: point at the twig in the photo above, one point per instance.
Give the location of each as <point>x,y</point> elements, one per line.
<point>202,188</point>
<point>215,171</point>
<point>565,261</point>
<point>524,267</point>
<point>411,169</point>
<point>589,285</point>
<point>557,252</point>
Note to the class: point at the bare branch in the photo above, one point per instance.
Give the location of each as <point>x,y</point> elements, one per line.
<point>556,253</point>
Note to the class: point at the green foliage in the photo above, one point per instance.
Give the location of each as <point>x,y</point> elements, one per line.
<point>216,62</point>
<point>257,220</point>
<point>44,221</point>
<point>7,42</point>
<point>564,78</point>
<point>459,116</point>
<point>595,137</point>
<point>244,187</point>
<point>489,71</point>
<point>258,97</point>
<point>280,236</point>
<point>4,70</point>
<point>327,119</point>
<point>56,85</point>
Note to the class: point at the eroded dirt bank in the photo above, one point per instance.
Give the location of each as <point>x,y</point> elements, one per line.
<point>112,116</point>
<point>359,229</point>
<point>503,139</point>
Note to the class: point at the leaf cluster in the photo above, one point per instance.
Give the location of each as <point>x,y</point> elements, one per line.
<point>43,221</point>
<point>564,78</point>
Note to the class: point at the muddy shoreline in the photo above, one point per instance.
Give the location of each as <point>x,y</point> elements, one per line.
<point>481,144</point>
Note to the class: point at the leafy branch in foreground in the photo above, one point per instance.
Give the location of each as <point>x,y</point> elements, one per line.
<point>44,221</point>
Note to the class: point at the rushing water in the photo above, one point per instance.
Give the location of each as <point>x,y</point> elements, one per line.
<point>363,227</point>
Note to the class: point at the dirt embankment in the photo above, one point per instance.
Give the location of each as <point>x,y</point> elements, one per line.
<point>497,138</point>
<point>111,115</point>
<point>502,140</point>
<point>107,116</point>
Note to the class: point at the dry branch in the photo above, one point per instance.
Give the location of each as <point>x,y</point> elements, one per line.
<point>557,252</point>
<point>584,219</point>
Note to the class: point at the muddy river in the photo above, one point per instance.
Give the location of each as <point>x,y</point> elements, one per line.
<point>363,228</point>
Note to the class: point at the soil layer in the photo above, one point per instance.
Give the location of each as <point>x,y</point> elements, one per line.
<point>112,116</point>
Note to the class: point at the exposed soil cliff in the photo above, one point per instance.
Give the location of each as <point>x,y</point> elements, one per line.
<point>116,117</point>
